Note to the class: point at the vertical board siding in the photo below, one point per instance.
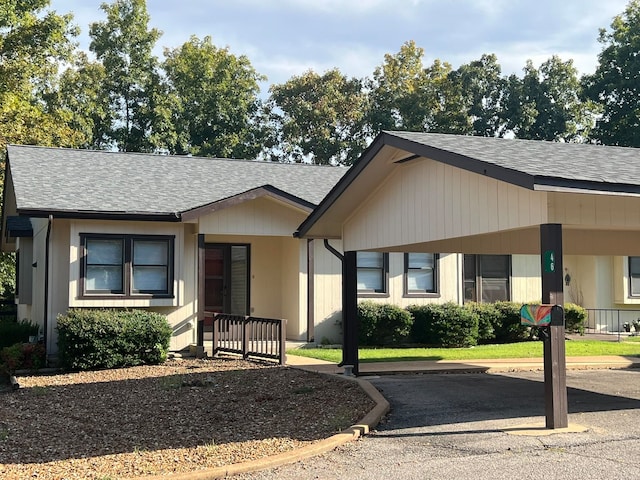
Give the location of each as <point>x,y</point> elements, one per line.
<point>589,210</point>
<point>432,193</point>
<point>262,216</point>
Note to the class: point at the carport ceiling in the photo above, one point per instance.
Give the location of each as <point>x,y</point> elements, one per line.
<point>449,193</point>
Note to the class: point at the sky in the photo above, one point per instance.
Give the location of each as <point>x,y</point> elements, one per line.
<point>283,38</point>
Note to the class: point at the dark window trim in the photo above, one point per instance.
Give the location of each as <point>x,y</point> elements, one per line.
<point>127,264</point>
<point>478,278</point>
<point>630,289</point>
<point>436,279</point>
<point>201,275</point>
<point>385,279</point>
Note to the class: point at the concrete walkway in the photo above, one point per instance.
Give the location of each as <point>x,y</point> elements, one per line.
<point>464,366</point>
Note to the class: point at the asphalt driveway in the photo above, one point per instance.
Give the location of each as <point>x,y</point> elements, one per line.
<point>459,426</point>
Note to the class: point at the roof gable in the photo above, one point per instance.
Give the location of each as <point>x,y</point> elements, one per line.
<point>535,165</point>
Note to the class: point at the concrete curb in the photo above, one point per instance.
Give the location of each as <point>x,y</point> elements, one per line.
<point>352,433</point>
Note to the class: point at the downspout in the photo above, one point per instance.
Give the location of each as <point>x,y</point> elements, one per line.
<point>45,322</point>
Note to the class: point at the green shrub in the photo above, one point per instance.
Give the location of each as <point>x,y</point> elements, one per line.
<point>575,318</point>
<point>488,316</point>
<point>383,323</point>
<point>508,327</point>
<point>22,355</point>
<point>446,325</point>
<point>89,339</point>
<point>12,332</point>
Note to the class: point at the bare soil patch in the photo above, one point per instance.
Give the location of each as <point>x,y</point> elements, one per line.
<point>181,416</point>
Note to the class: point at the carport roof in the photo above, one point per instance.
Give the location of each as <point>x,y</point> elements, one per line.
<point>532,164</point>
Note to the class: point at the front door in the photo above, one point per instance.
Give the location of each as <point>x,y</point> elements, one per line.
<point>226,276</point>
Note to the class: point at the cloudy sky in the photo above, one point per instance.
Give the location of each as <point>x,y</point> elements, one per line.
<point>283,38</point>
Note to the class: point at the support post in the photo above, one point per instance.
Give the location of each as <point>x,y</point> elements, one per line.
<point>200,352</point>
<point>555,363</point>
<point>350,311</point>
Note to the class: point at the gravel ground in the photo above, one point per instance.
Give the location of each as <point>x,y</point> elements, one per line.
<point>181,416</point>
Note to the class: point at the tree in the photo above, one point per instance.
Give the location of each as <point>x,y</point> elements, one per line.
<point>616,82</point>
<point>546,103</point>
<point>80,93</point>
<point>404,95</point>
<point>217,110</point>
<point>482,87</point>
<point>32,44</point>
<point>318,118</point>
<point>123,44</point>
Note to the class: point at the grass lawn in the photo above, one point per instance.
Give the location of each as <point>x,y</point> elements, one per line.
<point>575,348</point>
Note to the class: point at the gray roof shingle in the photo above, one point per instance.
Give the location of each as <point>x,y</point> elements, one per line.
<point>67,180</point>
<point>569,161</point>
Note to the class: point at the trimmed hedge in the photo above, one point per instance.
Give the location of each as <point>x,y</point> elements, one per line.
<point>509,328</point>
<point>383,323</point>
<point>91,339</point>
<point>446,325</point>
<point>12,332</point>
<point>575,318</point>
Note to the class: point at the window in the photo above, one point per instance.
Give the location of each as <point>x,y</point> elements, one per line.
<point>486,278</point>
<point>372,268</point>
<point>634,276</point>
<point>420,273</point>
<point>127,265</point>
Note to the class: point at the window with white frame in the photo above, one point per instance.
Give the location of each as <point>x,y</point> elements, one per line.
<point>372,268</point>
<point>127,265</point>
<point>420,273</point>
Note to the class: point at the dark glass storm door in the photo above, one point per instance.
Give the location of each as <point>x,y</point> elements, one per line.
<point>226,277</point>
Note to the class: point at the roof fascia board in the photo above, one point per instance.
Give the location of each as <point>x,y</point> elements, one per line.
<point>92,215</point>
<point>463,162</point>
<point>264,191</point>
<point>551,184</point>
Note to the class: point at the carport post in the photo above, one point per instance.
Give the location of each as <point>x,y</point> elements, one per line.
<point>350,311</point>
<point>555,363</point>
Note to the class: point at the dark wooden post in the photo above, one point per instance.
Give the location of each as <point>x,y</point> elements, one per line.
<point>201,293</point>
<point>350,311</point>
<point>283,341</point>
<point>555,363</point>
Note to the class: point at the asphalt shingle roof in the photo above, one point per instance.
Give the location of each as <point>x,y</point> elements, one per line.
<point>569,161</point>
<point>58,179</point>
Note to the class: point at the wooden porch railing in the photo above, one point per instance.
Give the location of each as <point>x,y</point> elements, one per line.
<point>245,335</point>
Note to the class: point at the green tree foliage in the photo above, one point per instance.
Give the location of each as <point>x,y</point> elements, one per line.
<point>482,87</point>
<point>404,95</point>
<point>545,103</point>
<point>123,43</point>
<point>217,110</point>
<point>616,82</point>
<point>32,44</point>
<point>318,118</point>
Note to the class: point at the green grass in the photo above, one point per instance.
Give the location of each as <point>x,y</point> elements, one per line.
<point>574,348</point>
